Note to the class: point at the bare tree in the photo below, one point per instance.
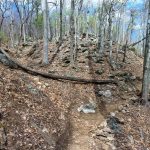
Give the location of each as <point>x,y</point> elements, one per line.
<point>4,7</point>
<point>101,30</point>
<point>45,18</point>
<point>61,20</point>
<point>146,72</point>
<point>72,33</point>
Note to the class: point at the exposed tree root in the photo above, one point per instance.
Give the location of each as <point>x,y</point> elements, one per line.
<point>53,76</point>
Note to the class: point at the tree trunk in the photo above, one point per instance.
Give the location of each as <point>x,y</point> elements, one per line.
<point>12,32</point>
<point>72,33</point>
<point>23,24</point>
<point>101,32</point>
<point>146,68</point>
<point>61,20</point>
<point>110,34</point>
<point>45,17</point>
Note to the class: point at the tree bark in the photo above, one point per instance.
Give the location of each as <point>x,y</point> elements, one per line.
<point>72,33</point>
<point>61,20</point>
<point>45,17</point>
<point>110,33</point>
<point>146,68</point>
<point>101,31</point>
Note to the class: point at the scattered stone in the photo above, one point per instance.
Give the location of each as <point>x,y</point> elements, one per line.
<point>133,77</point>
<point>66,51</point>
<point>36,79</point>
<point>103,124</point>
<point>112,146</point>
<point>112,114</point>
<point>123,108</point>
<point>62,116</point>
<point>114,124</point>
<point>87,108</point>
<point>123,111</point>
<point>65,65</point>
<point>133,98</point>
<point>120,108</point>
<point>130,89</point>
<point>106,129</point>
<point>39,83</point>
<point>100,93</point>
<point>130,137</point>
<point>46,84</point>
<point>110,138</point>
<point>129,120</point>
<point>32,89</point>
<point>121,120</point>
<point>45,130</point>
<point>7,62</point>
<point>106,93</point>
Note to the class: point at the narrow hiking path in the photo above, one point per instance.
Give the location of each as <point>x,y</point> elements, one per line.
<point>82,127</point>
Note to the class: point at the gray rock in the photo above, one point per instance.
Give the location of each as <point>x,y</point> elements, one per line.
<point>103,124</point>
<point>87,108</point>
<point>107,93</point>
<point>32,89</point>
<point>101,93</point>
<point>114,124</point>
<point>133,98</point>
<point>7,62</point>
<point>124,111</point>
<point>112,114</point>
<point>120,108</point>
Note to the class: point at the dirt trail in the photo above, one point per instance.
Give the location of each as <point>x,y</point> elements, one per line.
<point>82,125</point>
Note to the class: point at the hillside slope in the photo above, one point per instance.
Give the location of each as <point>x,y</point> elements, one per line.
<point>38,113</point>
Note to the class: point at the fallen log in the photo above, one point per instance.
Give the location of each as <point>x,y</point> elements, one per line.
<point>53,76</point>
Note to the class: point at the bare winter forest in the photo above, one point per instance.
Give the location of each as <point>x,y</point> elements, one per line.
<point>74,74</point>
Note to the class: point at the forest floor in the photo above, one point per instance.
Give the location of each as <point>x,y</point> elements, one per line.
<point>44,114</point>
